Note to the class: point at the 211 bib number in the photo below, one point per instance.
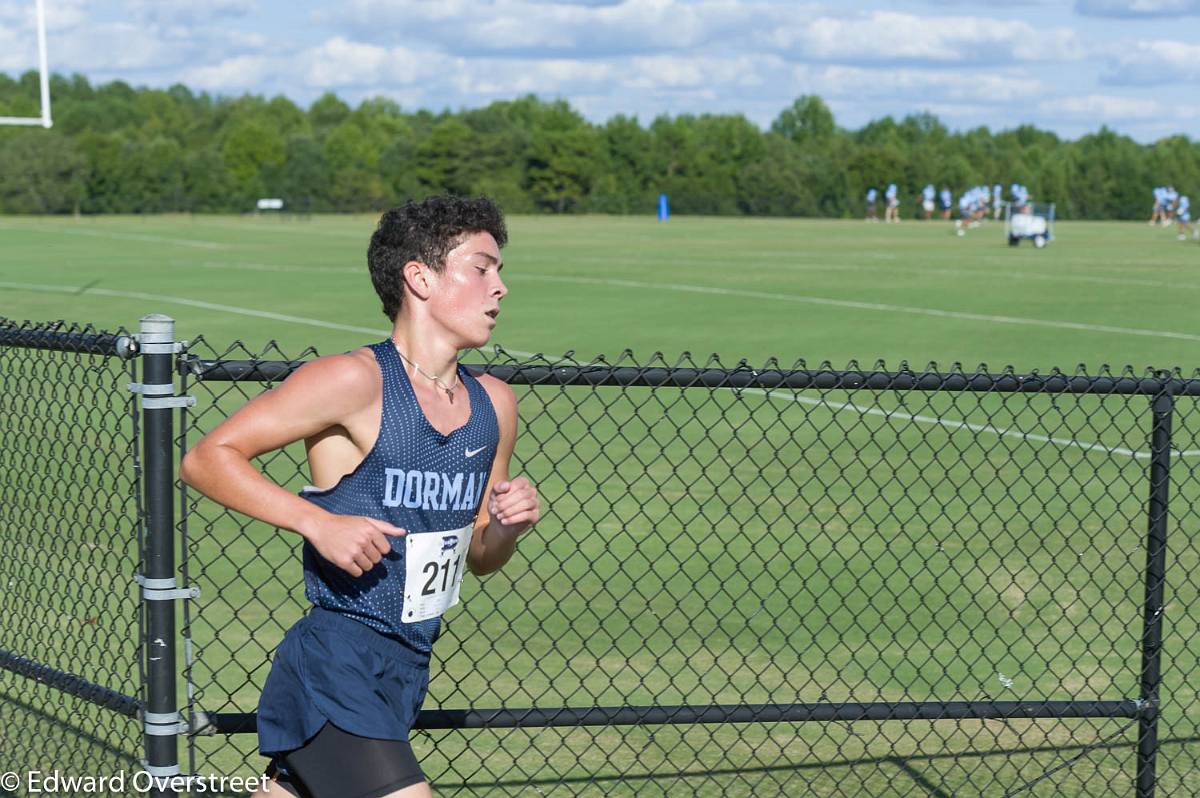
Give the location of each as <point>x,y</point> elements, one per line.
<point>433,571</point>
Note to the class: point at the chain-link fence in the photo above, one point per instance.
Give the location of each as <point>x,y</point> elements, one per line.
<point>70,619</point>
<point>949,569</point>
<point>773,581</point>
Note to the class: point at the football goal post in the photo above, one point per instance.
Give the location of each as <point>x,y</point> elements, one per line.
<point>44,77</point>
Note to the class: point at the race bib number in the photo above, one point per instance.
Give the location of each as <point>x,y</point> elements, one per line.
<point>433,572</point>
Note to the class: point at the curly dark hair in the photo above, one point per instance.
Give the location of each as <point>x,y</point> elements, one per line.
<point>425,231</point>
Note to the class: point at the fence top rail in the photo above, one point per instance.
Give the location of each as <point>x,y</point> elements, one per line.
<point>742,377</point>
<point>82,340</point>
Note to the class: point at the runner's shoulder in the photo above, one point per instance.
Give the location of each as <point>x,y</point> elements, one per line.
<point>499,391</point>
<point>346,380</point>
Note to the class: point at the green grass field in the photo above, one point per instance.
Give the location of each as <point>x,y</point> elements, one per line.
<point>717,547</point>
<point>740,287</point>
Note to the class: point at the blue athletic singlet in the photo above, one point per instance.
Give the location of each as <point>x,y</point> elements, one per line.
<point>353,660</point>
<point>415,478</point>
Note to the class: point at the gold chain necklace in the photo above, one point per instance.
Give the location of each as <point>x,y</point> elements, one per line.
<point>449,389</point>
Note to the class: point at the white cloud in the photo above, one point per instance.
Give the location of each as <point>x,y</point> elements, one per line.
<point>972,62</point>
<point>236,74</point>
<point>1137,8</point>
<point>694,71</point>
<point>247,40</point>
<point>13,13</point>
<point>16,53</point>
<point>796,30</point>
<point>1153,63</point>
<point>117,46</point>
<point>990,4</point>
<point>593,3</point>
<point>187,12</point>
<point>521,27</point>
<point>339,62</point>
<point>60,14</point>
<point>919,88</point>
<point>1103,108</point>
<point>141,39</point>
<point>18,47</point>
<point>889,37</point>
<point>435,79</point>
<point>554,77</point>
<point>18,28</point>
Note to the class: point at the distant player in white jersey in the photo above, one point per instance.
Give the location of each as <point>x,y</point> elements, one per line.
<point>1183,215</point>
<point>972,208</point>
<point>1157,214</point>
<point>982,200</point>
<point>1170,197</point>
<point>892,196</point>
<point>964,214</point>
<point>1020,198</point>
<point>997,201</point>
<point>872,196</point>
<point>928,194</point>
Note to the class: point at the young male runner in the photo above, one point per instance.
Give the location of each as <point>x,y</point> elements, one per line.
<point>411,454</point>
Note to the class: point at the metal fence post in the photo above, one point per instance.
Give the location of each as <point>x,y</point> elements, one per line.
<point>1162,407</point>
<point>162,720</point>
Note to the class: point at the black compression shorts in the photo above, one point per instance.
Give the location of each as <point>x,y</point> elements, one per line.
<point>337,764</point>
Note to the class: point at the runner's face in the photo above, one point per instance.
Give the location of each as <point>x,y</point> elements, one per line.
<point>468,291</point>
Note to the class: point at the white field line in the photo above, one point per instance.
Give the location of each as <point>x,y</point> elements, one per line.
<point>286,227</point>
<point>1020,276</point>
<point>950,423</point>
<point>1072,278</point>
<point>257,227</point>
<point>1080,278</point>
<point>195,303</point>
<point>268,267</point>
<point>958,425</point>
<point>151,239</point>
<point>875,306</point>
<point>821,265</point>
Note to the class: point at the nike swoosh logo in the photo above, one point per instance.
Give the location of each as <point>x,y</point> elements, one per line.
<point>470,453</point>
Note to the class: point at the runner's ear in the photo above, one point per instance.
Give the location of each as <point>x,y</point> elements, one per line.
<point>417,279</point>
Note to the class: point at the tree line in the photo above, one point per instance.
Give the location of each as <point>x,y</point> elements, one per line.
<point>119,149</point>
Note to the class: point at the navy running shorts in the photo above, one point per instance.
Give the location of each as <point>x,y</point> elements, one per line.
<point>330,668</point>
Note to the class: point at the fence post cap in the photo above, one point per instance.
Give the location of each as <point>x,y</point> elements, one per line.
<point>156,328</point>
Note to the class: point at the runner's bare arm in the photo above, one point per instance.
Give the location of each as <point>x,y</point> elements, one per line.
<point>320,395</point>
<point>510,506</point>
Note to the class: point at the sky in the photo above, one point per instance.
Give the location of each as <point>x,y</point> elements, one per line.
<point>1068,66</point>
